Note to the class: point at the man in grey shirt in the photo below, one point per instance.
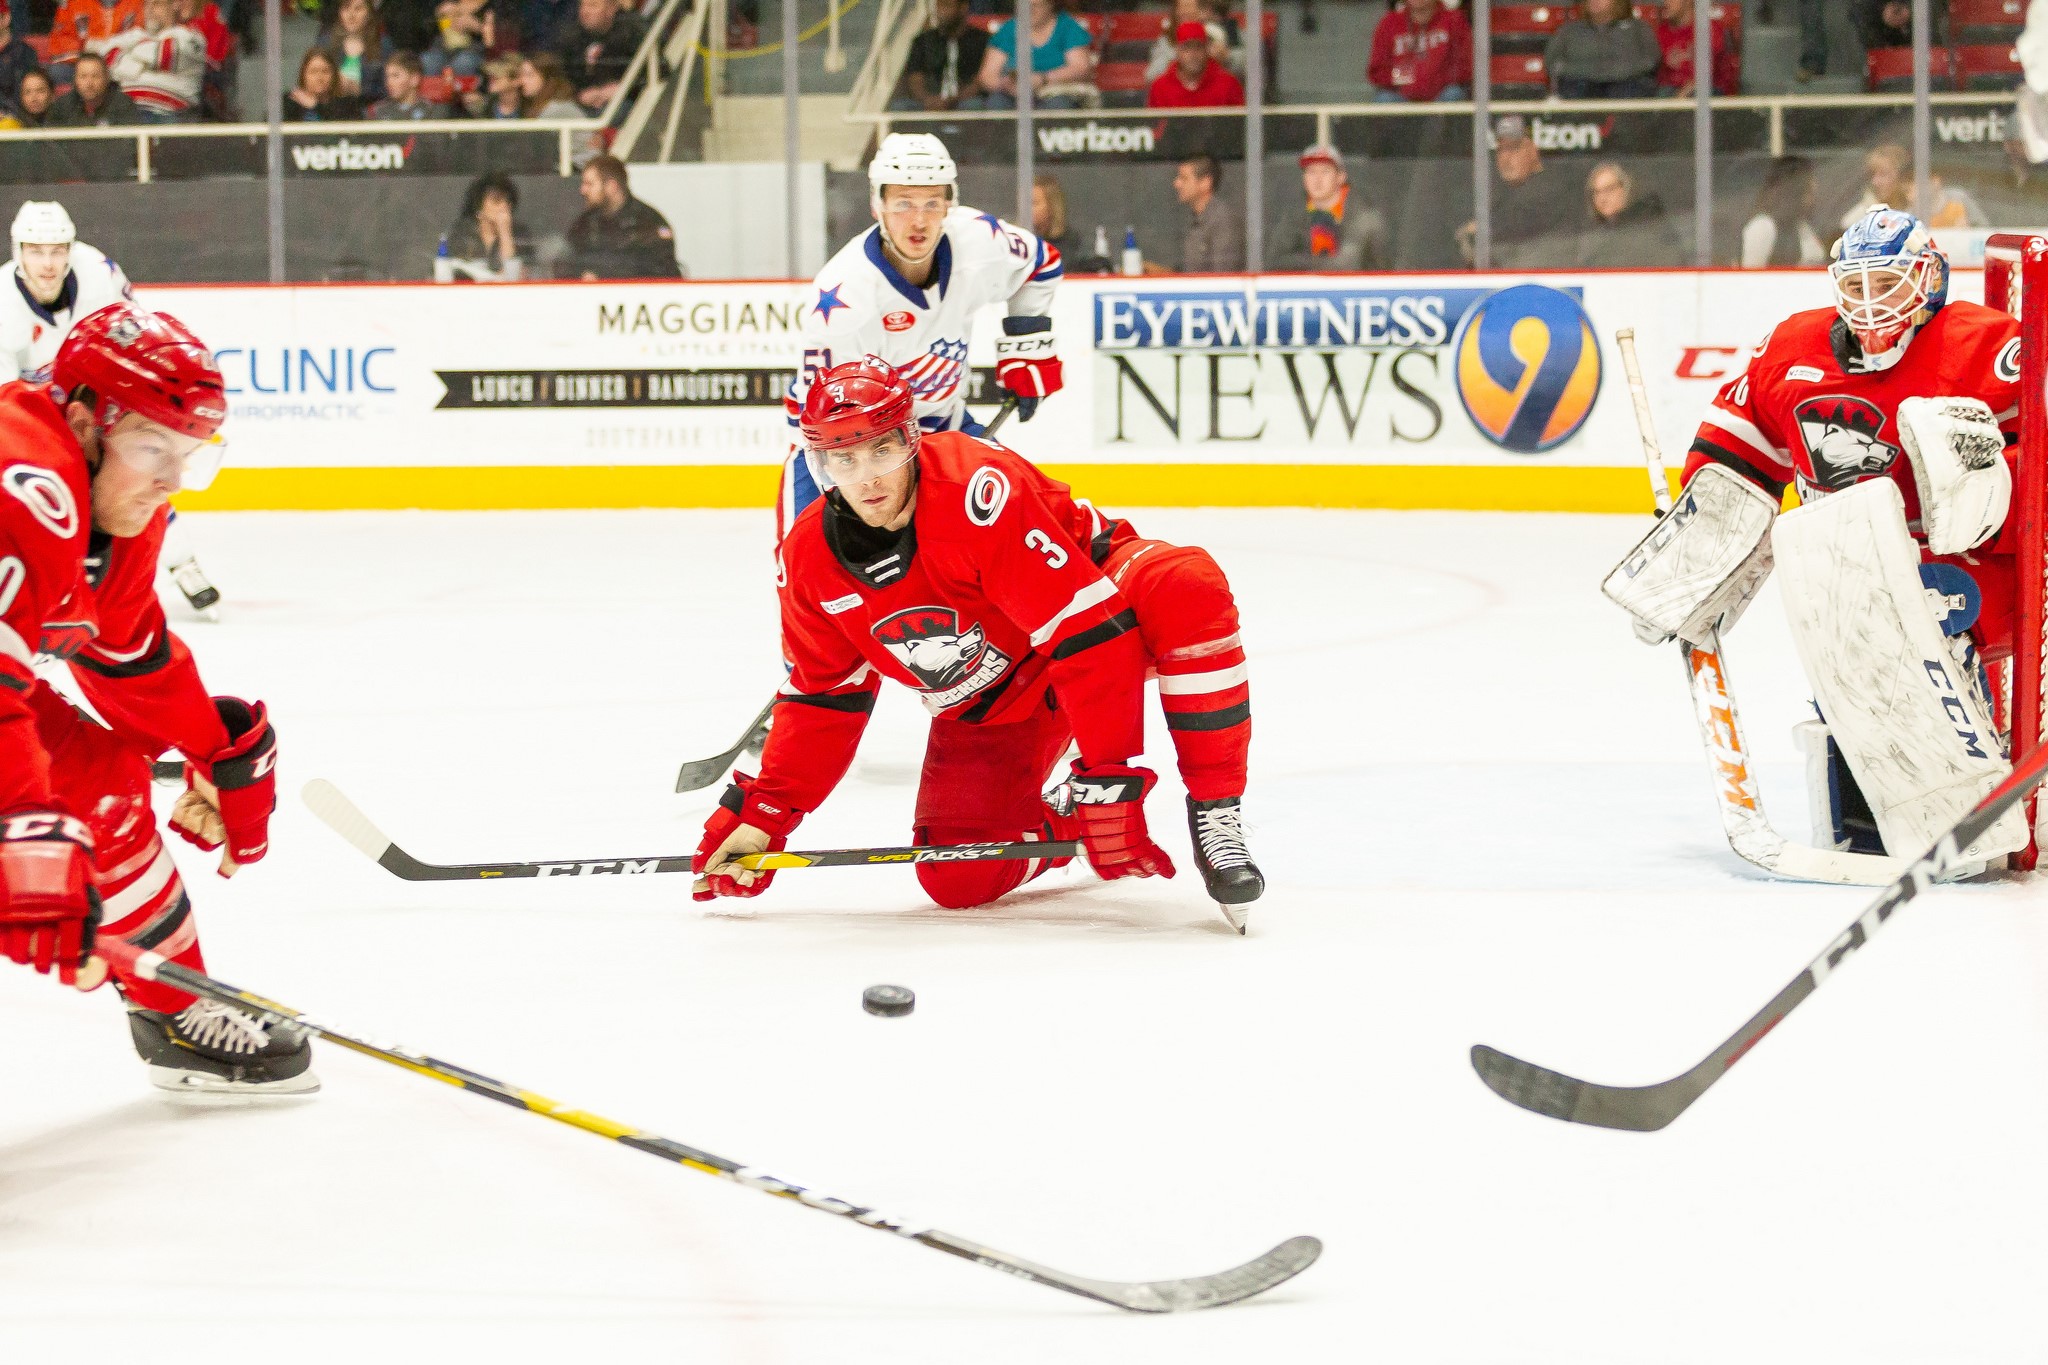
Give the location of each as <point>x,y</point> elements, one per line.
<point>1214,240</point>
<point>1609,54</point>
<point>1325,227</point>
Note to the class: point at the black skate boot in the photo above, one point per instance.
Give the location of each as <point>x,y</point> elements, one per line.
<point>196,586</point>
<point>1233,879</point>
<point>210,1048</point>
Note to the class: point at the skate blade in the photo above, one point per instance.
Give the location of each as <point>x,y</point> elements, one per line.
<point>199,1088</point>
<point>1237,916</point>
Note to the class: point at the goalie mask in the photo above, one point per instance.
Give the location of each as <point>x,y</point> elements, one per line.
<point>1889,277</point>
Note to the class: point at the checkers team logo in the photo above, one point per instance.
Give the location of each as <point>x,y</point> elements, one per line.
<point>1527,367</point>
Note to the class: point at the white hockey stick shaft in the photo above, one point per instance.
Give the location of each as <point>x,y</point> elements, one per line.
<point>1653,455</point>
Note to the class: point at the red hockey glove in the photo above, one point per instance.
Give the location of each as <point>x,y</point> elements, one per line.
<point>742,824</point>
<point>1025,363</point>
<point>1107,805</point>
<point>49,909</point>
<point>229,795</point>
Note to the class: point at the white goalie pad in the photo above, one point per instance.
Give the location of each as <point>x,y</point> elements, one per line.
<point>1959,466</point>
<point>1701,563</point>
<point>1910,720</point>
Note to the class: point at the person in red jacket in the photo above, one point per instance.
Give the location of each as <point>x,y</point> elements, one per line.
<point>1196,80</point>
<point>1421,52</point>
<point>1025,620</point>
<point>1674,40</point>
<point>91,461</point>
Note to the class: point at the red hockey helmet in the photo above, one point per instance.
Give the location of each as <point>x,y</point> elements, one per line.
<point>150,364</point>
<point>860,401</point>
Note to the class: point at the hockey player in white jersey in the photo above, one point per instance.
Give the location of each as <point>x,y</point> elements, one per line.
<point>908,288</point>
<point>56,280</point>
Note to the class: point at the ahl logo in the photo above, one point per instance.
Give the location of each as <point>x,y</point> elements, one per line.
<point>1527,367</point>
<point>1840,434</point>
<point>898,321</point>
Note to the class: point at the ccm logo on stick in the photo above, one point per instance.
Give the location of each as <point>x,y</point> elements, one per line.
<point>626,867</point>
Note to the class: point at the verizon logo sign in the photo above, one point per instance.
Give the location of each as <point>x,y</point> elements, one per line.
<point>1990,127</point>
<point>352,156</point>
<point>1071,139</point>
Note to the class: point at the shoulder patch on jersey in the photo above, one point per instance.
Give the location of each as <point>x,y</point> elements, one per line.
<point>45,496</point>
<point>839,604</point>
<point>2007,364</point>
<point>988,492</point>
<point>1809,374</point>
<point>898,321</point>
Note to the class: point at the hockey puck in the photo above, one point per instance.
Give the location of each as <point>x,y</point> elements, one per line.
<point>888,1001</point>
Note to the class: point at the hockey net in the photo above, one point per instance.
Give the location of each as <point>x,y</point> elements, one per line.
<point>2016,281</point>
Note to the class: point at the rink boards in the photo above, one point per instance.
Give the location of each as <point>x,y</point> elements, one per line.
<point>1445,391</point>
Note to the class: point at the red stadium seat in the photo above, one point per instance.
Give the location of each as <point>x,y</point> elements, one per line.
<point>1134,28</point>
<point>1987,66</point>
<point>437,89</point>
<point>1525,28</point>
<point>1891,68</point>
<point>39,43</point>
<point>1094,23</point>
<point>1519,76</point>
<point>1975,22</point>
<point>1111,77</point>
<point>1269,23</point>
<point>987,23</point>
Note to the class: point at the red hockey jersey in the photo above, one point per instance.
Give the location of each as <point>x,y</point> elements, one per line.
<point>1794,415</point>
<point>83,596</point>
<point>989,596</point>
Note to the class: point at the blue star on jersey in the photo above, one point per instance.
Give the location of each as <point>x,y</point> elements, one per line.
<point>828,299</point>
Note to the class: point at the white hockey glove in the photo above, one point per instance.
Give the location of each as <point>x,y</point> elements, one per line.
<point>1959,464</point>
<point>1701,564</point>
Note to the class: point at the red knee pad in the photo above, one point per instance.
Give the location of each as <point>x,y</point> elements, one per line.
<point>1178,591</point>
<point>963,886</point>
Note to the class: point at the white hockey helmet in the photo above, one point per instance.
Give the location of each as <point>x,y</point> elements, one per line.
<point>44,223</point>
<point>911,159</point>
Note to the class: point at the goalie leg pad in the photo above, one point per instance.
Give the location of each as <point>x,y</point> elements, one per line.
<point>1910,720</point>
<point>1701,563</point>
<point>1841,817</point>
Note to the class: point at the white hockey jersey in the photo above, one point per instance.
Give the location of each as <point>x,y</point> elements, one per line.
<point>30,333</point>
<point>863,306</point>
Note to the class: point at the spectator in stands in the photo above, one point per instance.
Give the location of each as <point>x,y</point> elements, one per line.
<point>1623,229</point>
<point>1061,58</point>
<point>1530,203</point>
<point>1781,233</point>
<point>1322,229</point>
<point>487,241</point>
<point>1214,239</point>
<point>317,97</point>
<point>945,61</point>
<point>1605,54</point>
<point>31,106</point>
<point>1049,214</point>
<point>461,31</point>
<point>80,22</point>
<point>1421,53</point>
<point>597,48</point>
<point>1674,41</point>
<point>1225,44</point>
<point>359,47</point>
<point>499,97</point>
<point>1889,23</point>
<point>1813,39</point>
<point>402,102</point>
<point>617,237</point>
<point>160,64</point>
<point>17,58</point>
<point>1888,168</point>
<point>92,101</point>
<point>544,92</point>
<point>1196,80</point>
<point>204,18</point>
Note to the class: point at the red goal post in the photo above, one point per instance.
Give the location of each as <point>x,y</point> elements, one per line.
<point>2016,282</point>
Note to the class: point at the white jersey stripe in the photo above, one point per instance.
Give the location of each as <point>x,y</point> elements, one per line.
<point>1194,684</point>
<point>1101,590</point>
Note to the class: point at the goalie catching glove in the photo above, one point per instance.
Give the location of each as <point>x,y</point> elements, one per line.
<point>1958,456</point>
<point>742,824</point>
<point>230,795</point>
<point>1700,565</point>
<point>1026,364</point>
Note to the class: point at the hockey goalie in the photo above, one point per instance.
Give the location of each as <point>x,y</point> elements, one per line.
<point>1894,414</point>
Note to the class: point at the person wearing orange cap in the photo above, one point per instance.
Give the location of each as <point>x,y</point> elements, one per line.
<point>1322,229</point>
<point>1196,80</point>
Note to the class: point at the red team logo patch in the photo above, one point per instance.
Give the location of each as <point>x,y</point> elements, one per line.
<point>950,664</point>
<point>1840,434</point>
<point>898,321</point>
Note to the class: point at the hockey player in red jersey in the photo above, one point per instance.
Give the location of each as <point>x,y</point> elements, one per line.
<point>1024,619</point>
<point>1893,414</point>
<point>90,462</point>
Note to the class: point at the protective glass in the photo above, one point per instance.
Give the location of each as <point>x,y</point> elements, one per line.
<point>167,457</point>
<point>851,466</point>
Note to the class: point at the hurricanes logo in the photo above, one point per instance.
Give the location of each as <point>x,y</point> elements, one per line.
<point>45,496</point>
<point>1528,367</point>
<point>1840,434</point>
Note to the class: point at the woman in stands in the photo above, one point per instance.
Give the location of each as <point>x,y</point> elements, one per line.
<point>316,98</point>
<point>356,42</point>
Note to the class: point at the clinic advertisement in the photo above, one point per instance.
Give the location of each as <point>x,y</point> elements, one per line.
<point>1513,377</point>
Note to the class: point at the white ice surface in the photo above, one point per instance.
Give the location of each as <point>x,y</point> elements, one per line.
<point>1483,816</point>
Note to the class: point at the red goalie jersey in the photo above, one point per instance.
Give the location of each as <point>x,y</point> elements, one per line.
<point>84,597</point>
<point>989,596</point>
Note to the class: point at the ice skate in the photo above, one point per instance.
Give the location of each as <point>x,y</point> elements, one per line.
<point>1233,879</point>
<point>210,1048</point>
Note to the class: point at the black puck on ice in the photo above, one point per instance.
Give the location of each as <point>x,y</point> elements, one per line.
<point>888,1001</point>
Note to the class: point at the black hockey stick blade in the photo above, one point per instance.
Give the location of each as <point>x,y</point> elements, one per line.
<point>701,773</point>
<point>1254,1277</point>
<point>167,770</point>
<point>1647,1108</point>
<point>995,423</point>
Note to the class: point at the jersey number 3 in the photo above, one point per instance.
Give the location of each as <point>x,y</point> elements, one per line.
<point>1055,557</point>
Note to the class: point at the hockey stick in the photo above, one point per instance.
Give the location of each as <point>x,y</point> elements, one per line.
<point>1736,794</point>
<point>340,814</point>
<point>1650,1107</point>
<point>702,772</point>
<point>1280,1264</point>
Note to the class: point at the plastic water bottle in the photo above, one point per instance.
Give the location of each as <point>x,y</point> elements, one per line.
<point>444,264</point>
<point>1134,263</point>
<point>1102,246</point>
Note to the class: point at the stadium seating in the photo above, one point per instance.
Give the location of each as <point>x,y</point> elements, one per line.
<point>1987,66</point>
<point>1526,28</point>
<point>1974,23</point>
<point>1519,76</point>
<point>1123,84</point>
<point>1890,69</point>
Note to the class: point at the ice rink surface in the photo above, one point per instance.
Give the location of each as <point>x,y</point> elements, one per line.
<point>1483,814</point>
